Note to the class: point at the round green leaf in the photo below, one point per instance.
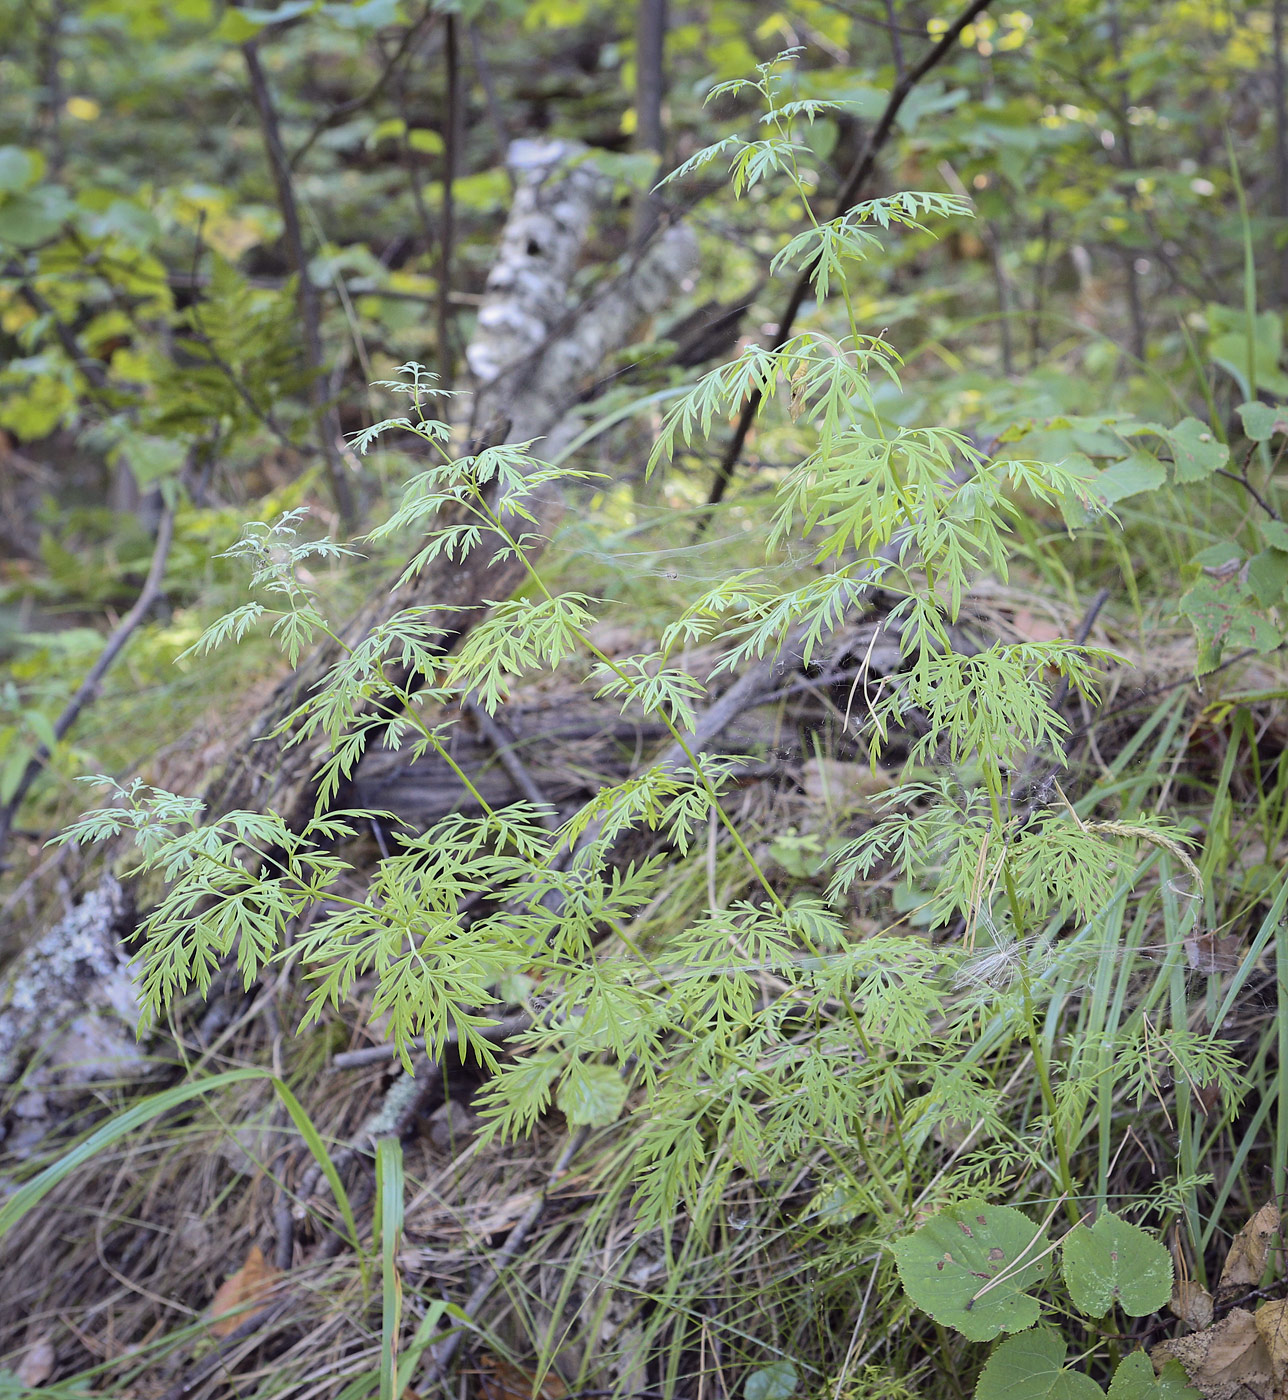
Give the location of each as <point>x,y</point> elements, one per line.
<point>1135,1380</point>
<point>1268,576</point>
<point>1261,421</point>
<point>1113,1262</point>
<point>1141,471</point>
<point>1196,452</point>
<point>1031,1367</point>
<point>970,1267</point>
<point>775,1382</point>
<point>19,168</point>
<point>592,1096</point>
<point>34,216</point>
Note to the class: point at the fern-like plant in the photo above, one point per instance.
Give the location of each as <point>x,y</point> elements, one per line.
<point>766,1029</point>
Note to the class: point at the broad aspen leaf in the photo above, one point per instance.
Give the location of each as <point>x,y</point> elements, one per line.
<point>1031,1367</point>
<point>971,1267</point>
<point>1116,1263</point>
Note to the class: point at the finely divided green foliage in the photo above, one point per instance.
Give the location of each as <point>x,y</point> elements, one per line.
<point>766,1027</point>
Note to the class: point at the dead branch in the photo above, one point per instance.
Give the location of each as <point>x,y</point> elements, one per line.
<point>88,688</point>
<point>306,292</point>
<point>442,1353</point>
<point>859,175</point>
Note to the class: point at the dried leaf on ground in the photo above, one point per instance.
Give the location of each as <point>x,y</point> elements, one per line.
<point>37,1365</point>
<point>1192,1303</point>
<point>1206,952</point>
<point>251,1284</point>
<point>1228,1361</point>
<point>1246,1261</point>
<point>499,1380</point>
<point>1272,1326</point>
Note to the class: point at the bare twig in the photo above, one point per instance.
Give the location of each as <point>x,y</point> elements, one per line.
<point>896,42</point>
<point>442,1353</point>
<point>503,743</point>
<point>260,1320</point>
<point>859,175</point>
<point>495,117</point>
<point>88,688</point>
<point>503,1029</point>
<point>306,292</point>
<point>93,370</point>
<point>447,225</point>
<point>355,104</point>
<point>1242,480</point>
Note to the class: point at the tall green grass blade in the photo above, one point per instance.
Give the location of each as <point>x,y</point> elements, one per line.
<point>313,1141</point>
<point>31,1193</point>
<point>388,1227</point>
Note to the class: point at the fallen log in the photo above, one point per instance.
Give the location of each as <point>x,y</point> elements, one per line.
<point>531,355</point>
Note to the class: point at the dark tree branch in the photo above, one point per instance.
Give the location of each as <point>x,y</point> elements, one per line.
<point>857,178</point>
<point>896,42</point>
<point>859,175</point>
<point>355,104</point>
<point>306,292</point>
<point>452,128</point>
<point>88,688</point>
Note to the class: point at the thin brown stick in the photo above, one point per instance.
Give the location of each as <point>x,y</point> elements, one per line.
<point>306,292</point>
<point>442,1353</point>
<point>355,104</point>
<point>503,1029</point>
<point>447,226</point>
<point>859,174</point>
<point>260,1319</point>
<point>496,118</point>
<point>88,688</point>
<point>516,770</point>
